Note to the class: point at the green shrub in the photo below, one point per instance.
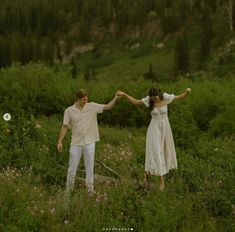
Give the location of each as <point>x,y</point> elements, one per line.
<point>184,128</point>
<point>223,124</point>
<point>139,52</point>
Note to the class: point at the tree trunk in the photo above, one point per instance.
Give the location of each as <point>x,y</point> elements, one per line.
<point>230,13</point>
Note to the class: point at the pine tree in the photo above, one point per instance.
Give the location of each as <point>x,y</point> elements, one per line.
<point>89,73</point>
<point>151,74</point>
<point>74,70</point>
<point>207,34</point>
<point>182,54</point>
<point>48,52</point>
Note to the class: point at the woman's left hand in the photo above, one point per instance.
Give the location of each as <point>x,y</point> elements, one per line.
<point>188,90</point>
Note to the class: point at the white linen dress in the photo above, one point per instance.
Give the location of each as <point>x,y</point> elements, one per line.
<point>160,149</point>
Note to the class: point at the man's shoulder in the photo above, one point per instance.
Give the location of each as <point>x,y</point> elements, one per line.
<point>91,104</point>
<point>72,107</point>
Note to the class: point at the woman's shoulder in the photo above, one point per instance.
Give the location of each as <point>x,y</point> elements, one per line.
<point>145,100</point>
<point>168,97</point>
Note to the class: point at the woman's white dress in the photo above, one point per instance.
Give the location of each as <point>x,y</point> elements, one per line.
<point>160,149</point>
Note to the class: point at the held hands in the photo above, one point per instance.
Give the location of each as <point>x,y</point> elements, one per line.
<point>117,94</point>
<point>120,93</point>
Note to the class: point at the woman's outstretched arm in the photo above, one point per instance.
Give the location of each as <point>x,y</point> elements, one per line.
<point>130,98</point>
<point>183,95</point>
<point>112,102</point>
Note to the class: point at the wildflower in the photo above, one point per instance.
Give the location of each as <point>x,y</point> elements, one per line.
<point>52,211</point>
<point>32,213</point>
<point>66,222</point>
<point>105,197</point>
<point>38,125</point>
<point>45,148</point>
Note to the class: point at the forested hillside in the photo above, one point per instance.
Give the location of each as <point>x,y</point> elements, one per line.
<point>50,31</point>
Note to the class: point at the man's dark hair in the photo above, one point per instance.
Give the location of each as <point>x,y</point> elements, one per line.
<point>81,93</point>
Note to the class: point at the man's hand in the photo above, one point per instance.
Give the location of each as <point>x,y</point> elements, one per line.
<point>117,94</point>
<point>63,131</point>
<point>59,147</point>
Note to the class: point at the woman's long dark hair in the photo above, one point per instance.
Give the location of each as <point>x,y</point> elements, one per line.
<point>152,93</point>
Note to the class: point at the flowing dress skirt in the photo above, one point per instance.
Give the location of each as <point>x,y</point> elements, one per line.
<point>160,148</point>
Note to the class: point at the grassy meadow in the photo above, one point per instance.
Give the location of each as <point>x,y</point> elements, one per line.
<point>199,196</point>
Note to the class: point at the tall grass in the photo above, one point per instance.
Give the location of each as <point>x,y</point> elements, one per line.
<point>198,196</point>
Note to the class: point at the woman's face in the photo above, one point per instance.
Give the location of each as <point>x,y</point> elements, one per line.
<point>155,98</point>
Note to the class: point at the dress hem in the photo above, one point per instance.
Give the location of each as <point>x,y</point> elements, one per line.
<point>154,173</point>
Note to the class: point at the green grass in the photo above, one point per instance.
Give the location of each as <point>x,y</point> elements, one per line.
<point>198,196</point>
<point>124,64</point>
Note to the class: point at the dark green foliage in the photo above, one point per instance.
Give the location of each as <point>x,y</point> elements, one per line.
<point>183,124</point>
<point>89,73</point>
<point>124,116</point>
<point>40,90</point>
<point>101,61</point>
<point>151,74</point>
<point>182,54</point>
<point>74,70</point>
<point>23,23</point>
<point>140,51</point>
<point>223,124</point>
<point>205,111</point>
<point>207,34</point>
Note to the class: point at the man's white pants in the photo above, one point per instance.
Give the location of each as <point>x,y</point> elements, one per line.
<point>76,151</point>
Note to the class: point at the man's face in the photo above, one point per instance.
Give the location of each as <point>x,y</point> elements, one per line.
<point>84,99</point>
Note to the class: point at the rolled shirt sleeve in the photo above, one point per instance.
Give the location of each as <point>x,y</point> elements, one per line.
<point>98,108</point>
<point>66,119</point>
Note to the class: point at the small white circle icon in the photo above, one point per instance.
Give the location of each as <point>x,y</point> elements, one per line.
<point>7,117</point>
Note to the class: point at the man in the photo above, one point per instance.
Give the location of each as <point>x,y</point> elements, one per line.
<point>82,118</point>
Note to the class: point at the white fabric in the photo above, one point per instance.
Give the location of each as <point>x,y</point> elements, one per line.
<point>74,160</point>
<point>160,149</point>
<point>84,123</point>
<point>167,97</point>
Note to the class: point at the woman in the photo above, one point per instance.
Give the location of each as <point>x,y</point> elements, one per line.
<point>160,150</point>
